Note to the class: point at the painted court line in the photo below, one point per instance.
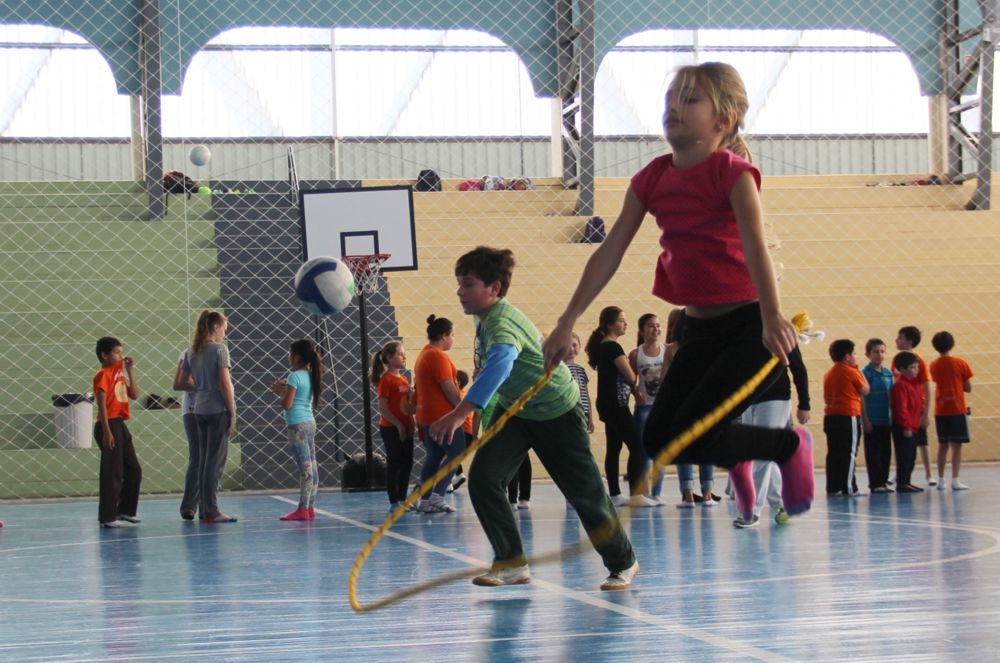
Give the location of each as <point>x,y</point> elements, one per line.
<point>660,623</point>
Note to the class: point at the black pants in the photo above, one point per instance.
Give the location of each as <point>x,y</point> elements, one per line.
<point>520,486</point>
<point>715,359</point>
<point>878,455</point>
<point>398,463</point>
<point>120,473</point>
<point>906,455</point>
<point>842,434</point>
<point>619,428</point>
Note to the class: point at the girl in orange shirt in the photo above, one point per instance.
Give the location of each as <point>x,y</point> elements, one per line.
<point>396,423</point>
<point>436,381</point>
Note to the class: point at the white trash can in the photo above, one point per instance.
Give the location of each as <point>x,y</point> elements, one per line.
<point>74,419</point>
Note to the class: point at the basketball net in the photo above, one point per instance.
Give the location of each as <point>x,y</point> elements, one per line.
<point>366,269</point>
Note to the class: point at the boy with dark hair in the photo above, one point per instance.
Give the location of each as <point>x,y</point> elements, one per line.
<point>908,338</point>
<point>952,381</point>
<point>876,417</point>
<point>552,423</point>
<point>843,387</point>
<point>906,413</point>
<point>120,471</point>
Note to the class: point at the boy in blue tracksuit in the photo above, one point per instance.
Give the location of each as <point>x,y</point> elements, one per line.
<point>876,417</point>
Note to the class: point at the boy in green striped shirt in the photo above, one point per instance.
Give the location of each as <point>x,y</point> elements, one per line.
<point>510,361</point>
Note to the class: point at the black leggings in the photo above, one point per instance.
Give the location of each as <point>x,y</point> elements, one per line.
<point>619,427</point>
<point>715,358</point>
<point>398,463</point>
<point>520,486</point>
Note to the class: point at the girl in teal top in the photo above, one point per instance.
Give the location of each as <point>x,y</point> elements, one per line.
<point>299,394</point>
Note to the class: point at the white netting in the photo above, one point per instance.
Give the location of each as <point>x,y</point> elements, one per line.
<point>366,270</point>
<point>846,108</point>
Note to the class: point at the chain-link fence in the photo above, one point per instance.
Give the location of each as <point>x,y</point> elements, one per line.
<point>839,124</point>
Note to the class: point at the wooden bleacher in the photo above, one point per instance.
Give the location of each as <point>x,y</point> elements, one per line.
<point>863,259</point>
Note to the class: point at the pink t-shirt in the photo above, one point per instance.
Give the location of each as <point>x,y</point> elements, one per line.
<point>702,260</point>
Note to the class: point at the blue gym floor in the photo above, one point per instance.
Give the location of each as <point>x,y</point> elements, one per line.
<point>878,578</point>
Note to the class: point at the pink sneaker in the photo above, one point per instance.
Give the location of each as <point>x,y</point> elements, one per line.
<point>300,513</point>
<point>798,485</point>
<point>741,476</point>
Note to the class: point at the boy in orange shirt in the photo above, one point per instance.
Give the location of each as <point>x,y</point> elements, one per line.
<point>121,474</point>
<point>843,387</point>
<point>952,381</point>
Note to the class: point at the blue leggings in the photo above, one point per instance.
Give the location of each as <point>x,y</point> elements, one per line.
<point>437,454</point>
<point>302,438</point>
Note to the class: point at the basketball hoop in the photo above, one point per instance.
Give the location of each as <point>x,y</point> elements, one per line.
<point>366,269</point>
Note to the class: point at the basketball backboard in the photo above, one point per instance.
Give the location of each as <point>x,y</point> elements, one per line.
<point>339,222</point>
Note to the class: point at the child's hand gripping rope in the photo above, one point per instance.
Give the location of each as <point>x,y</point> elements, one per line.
<point>665,457</point>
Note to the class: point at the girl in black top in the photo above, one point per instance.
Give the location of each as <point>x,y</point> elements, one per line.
<point>615,382</point>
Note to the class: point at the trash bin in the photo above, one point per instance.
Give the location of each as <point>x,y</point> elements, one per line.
<point>74,419</point>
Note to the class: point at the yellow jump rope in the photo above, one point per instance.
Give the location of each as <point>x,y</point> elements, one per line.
<point>665,457</point>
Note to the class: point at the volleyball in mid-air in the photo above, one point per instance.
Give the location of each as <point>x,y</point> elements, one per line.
<point>324,286</point>
<point>200,155</point>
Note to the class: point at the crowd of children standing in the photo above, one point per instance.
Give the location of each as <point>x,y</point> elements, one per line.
<point>889,407</point>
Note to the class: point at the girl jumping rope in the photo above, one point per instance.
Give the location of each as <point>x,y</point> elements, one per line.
<point>396,424</point>
<point>705,198</point>
<point>299,394</point>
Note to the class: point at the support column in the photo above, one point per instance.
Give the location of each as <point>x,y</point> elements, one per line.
<point>136,147</point>
<point>937,136</point>
<point>984,155</point>
<point>149,65</point>
<point>588,74</point>
<point>960,73</point>
<point>577,70</point>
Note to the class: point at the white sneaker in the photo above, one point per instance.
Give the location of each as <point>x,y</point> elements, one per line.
<point>619,500</point>
<point>931,481</point>
<point>435,504</point>
<point>957,485</point>
<point>684,504</point>
<point>619,580</point>
<point>498,577</point>
<point>641,501</point>
<point>942,485</point>
<point>523,504</point>
<point>709,502</point>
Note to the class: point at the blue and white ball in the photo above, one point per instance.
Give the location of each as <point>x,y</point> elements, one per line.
<point>324,286</point>
<point>200,155</point>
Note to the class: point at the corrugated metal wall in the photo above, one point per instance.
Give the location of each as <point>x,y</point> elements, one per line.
<point>257,159</point>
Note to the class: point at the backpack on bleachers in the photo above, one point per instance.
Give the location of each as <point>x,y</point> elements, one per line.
<point>593,231</point>
<point>177,182</point>
<point>520,184</point>
<point>428,180</point>
<point>493,183</point>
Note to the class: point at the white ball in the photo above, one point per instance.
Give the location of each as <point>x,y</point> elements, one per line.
<point>200,155</point>
<point>324,286</point>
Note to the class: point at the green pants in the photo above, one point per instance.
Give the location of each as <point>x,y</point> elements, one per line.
<point>563,447</point>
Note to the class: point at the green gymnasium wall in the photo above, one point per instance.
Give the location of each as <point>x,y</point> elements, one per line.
<point>76,263</point>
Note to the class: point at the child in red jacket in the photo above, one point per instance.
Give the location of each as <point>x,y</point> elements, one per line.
<point>907,409</point>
